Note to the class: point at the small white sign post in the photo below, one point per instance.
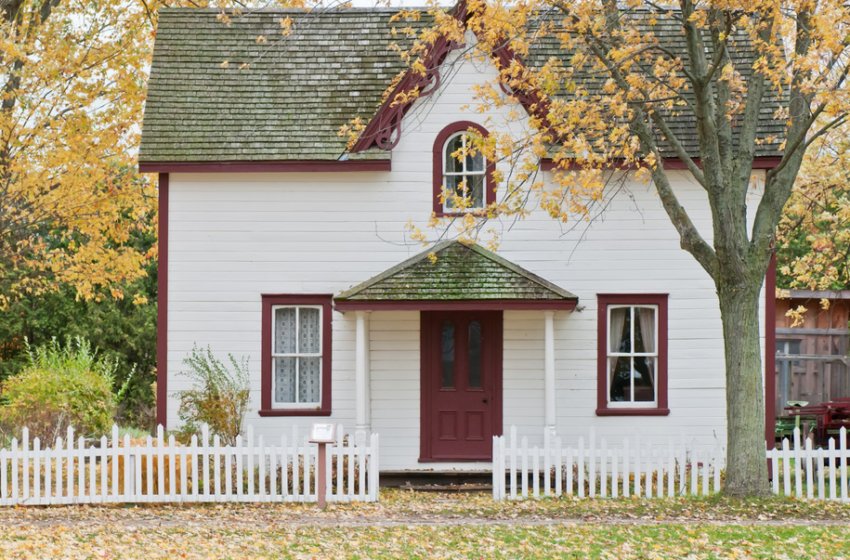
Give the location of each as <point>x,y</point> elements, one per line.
<point>323,434</point>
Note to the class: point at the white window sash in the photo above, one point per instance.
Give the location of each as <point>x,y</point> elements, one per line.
<point>463,173</point>
<point>296,355</point>
<point>631,355</point>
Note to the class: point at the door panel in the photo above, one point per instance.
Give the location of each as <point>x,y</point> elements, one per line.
<point>461,384</point>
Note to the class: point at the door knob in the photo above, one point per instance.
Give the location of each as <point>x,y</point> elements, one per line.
<point>485,401</point>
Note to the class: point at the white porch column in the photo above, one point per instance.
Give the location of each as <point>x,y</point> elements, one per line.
<point>549,372</point>
<point>361,373</point>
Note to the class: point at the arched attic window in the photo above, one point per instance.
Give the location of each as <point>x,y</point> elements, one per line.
<point>470,178</point>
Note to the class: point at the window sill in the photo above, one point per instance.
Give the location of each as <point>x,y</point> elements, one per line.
<point>478,213</point>
<point>294,412</point>
<point>632,411</point>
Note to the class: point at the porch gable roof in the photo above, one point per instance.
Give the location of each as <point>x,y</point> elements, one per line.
<point>461,274</point>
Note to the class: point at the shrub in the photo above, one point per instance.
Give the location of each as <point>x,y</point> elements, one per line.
<point>60,386</point>
<point>219,397</point>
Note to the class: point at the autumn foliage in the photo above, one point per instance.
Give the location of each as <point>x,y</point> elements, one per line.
<point>73,88</point>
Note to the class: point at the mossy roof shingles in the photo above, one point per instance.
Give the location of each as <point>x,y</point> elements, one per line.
<point>291,101</point>
<point>299,90</point>
<point>460,272</point>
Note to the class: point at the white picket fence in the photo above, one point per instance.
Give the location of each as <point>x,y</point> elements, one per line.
<point>635,468</point>
<point>816,473</point>
<point>162,471</point>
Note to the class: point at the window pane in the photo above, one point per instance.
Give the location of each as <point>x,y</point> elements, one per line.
<point>644,329</point>
<point>475,355</point>
<point>474,162</point>
<point>620,336</point>
<point>453,165</point>
<point>284,330</point>
<point>621,372</point>
<point>454,187</point>
<point>644,379</point>
<point>448,351</point>
<point>284,380</point>
<point>475,186</point>
<point>309,380</point>
<point>310,331</point>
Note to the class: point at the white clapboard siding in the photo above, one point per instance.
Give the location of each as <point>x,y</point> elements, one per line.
<point>235,236</point>
<point>601,468</point>
<point>160,470</point>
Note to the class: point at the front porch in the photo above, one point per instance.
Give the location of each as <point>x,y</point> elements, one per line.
<point>449,347</point>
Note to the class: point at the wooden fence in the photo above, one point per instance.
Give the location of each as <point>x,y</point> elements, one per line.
<point>156,470</point>
<point>633,468</point>
<point>810,473</point>
<point>595,468</point>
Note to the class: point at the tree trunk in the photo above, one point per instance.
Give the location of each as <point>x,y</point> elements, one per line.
<point>746,469</point>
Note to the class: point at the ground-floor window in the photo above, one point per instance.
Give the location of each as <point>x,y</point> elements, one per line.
<point>296,363</point>
<point>632,354</point>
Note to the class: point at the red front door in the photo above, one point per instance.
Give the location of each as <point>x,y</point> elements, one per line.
<point>461,384</point>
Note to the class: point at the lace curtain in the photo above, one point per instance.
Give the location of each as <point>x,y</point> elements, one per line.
<point>298,332</point>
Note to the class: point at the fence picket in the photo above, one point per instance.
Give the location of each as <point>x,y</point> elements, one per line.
<point>831,470</point>
<point>786,467</point>
<point>59,451</point>
<point>36,470</point>
<point>513,462</point>
<point>705,462</point>
<point>798,463</point>
<point>592,470</point>
<point>69,441</point>
<point>809,474</point>
<point>15,495</point>
<point>114,454</point>
<point>570,471</point>
<point>842,439</point>
<point>694,472</point>
<point>172,467</point>
<point>3,476</point>
<point>48,460</point>
<point>547,468</point>
<point>821,488</point>
<point>25,461</point>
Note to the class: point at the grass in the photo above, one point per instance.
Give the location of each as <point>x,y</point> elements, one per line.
<point>423,525</point>
<point>467,542</point>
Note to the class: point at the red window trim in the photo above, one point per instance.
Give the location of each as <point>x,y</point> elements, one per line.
<point>489,180</point>
<point>603,301</point>
<point>270,300</point>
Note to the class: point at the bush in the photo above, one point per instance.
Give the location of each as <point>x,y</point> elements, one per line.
<point>60,386</point>
<point>219,398</point>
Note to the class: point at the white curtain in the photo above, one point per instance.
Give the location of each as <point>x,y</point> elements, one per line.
<point>647,331</point>
<point>284,330</point>
<point>309,369</point>
<point>284,380</point>
<point>617,322</point>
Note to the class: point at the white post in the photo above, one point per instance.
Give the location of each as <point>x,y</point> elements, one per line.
<point>361,373</point>
<point>549,373</point>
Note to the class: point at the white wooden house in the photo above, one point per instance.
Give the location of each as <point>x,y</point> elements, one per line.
<point>279,244</point>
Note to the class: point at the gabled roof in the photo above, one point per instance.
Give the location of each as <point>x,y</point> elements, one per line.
<point>460,273</point>
<point>298,91</point>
